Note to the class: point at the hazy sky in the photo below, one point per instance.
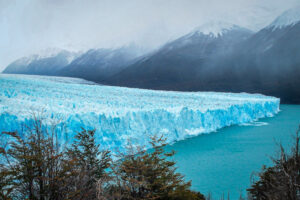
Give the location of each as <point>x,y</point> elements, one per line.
<point>28,26</point>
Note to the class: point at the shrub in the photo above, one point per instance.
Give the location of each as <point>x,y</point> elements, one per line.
<point>151,174</point>
<point>282,181</point>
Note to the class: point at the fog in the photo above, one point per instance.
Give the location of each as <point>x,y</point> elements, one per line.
<point>30,26</point>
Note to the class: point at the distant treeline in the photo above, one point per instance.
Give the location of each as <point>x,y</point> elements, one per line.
<point>36,166</point>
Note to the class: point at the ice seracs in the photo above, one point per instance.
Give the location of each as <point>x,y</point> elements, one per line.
<point>288,18</point>
<point>122,115</point>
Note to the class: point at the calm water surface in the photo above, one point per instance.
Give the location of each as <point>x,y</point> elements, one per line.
<point>223,162</point>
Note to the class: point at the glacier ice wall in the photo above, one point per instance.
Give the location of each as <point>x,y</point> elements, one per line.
<point>120,115</point>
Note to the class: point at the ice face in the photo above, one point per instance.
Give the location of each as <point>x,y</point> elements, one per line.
<point>120,115</point>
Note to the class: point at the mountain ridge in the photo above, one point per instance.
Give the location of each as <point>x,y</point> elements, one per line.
<point>288,18</point>
<point>217,56</point>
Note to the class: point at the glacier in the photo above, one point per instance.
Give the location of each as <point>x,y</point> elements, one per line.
<point>124,115</point>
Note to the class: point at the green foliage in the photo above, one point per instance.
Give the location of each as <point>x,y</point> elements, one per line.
<point>32,167</point>
<point>89,163</point>
<point>151,175</point>
<point>282,181</point>
<point>37,167</point>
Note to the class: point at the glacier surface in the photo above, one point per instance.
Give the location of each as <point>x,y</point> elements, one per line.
<point>122,115</point>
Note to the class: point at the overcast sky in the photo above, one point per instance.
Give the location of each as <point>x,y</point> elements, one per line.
<point>29,26</point>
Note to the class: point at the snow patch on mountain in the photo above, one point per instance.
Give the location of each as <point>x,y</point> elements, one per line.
<point>215,28</point>
<point>288,18</point>
<point>26,60</point>
<point>44,54</point>
<point>49,52</point>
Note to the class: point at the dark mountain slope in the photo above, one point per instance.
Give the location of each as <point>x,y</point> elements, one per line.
<point>267,62</point>
<point>41,65</point>
<point>182,60</point>
<point>98,64</point>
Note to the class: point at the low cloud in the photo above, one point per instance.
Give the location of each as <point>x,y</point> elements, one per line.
<point>28,26</point>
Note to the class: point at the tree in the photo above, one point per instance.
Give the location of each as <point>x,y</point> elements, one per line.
<point>89,164</point>
<point>282,181</point>
<point>150,174</point>
<point>33,164</point>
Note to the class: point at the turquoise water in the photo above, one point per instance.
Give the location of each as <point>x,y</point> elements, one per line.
<point>223,162</point>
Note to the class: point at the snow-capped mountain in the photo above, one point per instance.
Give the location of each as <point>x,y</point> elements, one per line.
<point>182,59</point>
<point>224,57</point>
<point>288,18</point>
<point>268,62</point>
<point>272,57</point>
<point>98,64</point>
<point>47,62</point>
<point>95,64</point>
<point>215,56</point>
<point>215,28</point>
<point>282,35</point>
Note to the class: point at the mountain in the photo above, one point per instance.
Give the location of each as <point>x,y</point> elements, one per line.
<point>226,58</point>
<point>94,65</point>
<point>288,18</point>
<point>98,64</point>
<point>216,56</point>
<point>180,61</point>
<point>269,61</point>
<point>49,62</point>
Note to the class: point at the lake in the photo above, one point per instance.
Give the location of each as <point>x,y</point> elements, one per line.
<point>224,161</point>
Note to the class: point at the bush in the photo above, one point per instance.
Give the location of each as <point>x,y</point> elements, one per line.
<point>88,164</point>
<point>32,166</point>
<point>145,174</point>
<point>36,166</point>
<point>282,181</point>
